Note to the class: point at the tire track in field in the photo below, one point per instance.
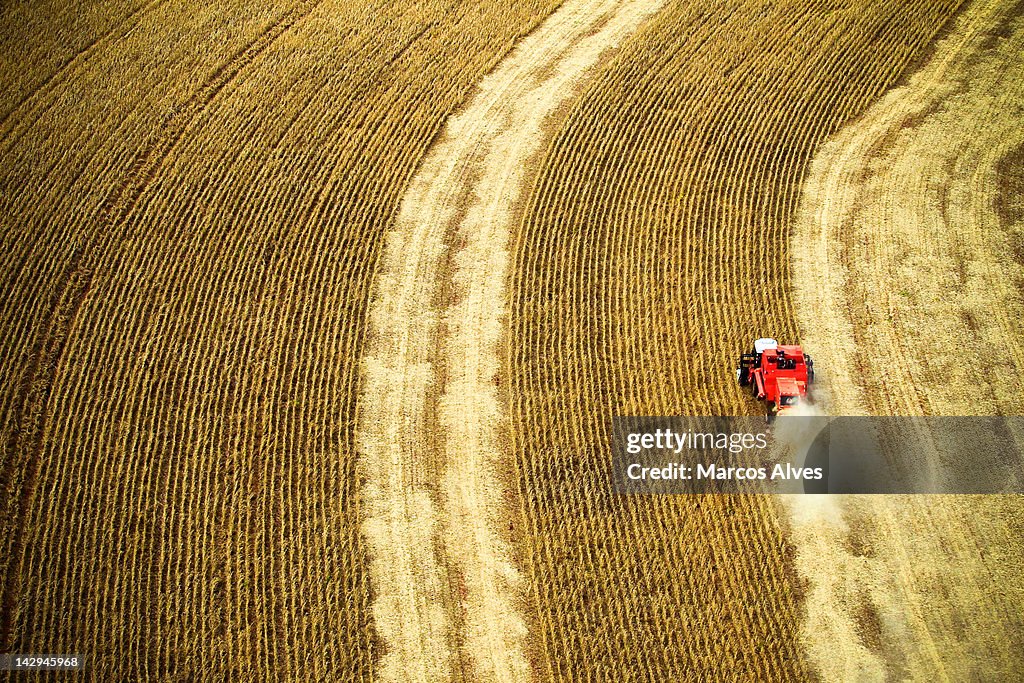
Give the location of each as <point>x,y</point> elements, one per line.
<point>429,437</point>
<point>909,296</point>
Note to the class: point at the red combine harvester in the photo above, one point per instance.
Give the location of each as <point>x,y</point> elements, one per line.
<point>777,374</point>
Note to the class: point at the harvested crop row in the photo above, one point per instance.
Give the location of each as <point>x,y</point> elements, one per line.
<point>914,306</point>
<point>654,248</point>
<point>192,218</point>
<point>447,594</point>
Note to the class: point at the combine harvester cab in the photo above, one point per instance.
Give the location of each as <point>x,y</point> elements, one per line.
<point>777,374</point>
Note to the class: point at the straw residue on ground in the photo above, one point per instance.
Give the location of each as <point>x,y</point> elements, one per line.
<point>438,473</point>
<point>908,290</point>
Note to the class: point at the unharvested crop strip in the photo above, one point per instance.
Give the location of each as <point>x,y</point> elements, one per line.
<point>70,297</point>
<point>214,356</point>
<point>50,82</point>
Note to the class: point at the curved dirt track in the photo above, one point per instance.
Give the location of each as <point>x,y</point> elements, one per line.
<point>437,473</point>
<point>909,293</point>
<point>901,250</point>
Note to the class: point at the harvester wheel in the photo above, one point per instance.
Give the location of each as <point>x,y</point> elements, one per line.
<point>743,375</point>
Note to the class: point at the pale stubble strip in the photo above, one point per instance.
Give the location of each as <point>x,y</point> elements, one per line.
<point>890,207</point>
<point>463,194</point>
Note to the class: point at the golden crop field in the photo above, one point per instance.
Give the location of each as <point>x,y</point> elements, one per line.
<point>656,244</point>
<point>315,316</point>
<point>193,197</point>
